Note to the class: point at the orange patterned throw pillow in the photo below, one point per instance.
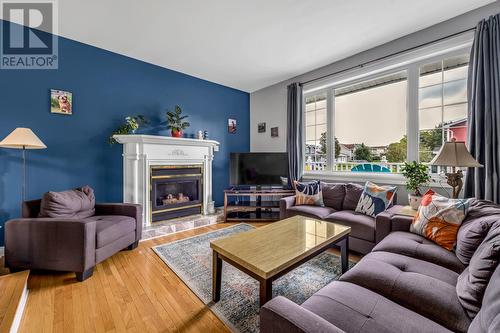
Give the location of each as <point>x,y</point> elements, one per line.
<point>438,219</point>
<point>308,193</point>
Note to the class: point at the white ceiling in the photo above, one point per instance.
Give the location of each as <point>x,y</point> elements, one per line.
<point>248,44</point>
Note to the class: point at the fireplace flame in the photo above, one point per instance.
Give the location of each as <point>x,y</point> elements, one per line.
<point>171,199</point>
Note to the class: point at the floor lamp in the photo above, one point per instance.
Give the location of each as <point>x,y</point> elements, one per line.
<point>22,138</point>
<point>455,154</point>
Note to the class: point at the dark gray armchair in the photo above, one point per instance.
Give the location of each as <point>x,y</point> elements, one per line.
<point>70,244</point>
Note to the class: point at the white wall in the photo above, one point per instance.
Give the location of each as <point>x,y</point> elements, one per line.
<point>269,104</point>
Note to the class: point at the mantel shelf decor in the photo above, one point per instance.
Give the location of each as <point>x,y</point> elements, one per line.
<point>158,139</point>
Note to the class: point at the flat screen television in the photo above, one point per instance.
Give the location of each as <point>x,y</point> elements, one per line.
<point>258,168</point>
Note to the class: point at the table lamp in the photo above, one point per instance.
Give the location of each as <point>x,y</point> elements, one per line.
<point>22,138</point>
<point>454,154</point>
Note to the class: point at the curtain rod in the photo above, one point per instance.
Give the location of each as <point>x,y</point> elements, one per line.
<point>387,56</point>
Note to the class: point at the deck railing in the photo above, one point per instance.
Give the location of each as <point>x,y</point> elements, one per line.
<point>348,166</point>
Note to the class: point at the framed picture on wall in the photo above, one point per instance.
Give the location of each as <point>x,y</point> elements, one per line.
<point>231,126</point>
<point>274,132</point>
<point>61,102</point>
<point>261,127</point>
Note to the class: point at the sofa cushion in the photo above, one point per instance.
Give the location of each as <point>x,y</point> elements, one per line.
<point>352,195</point>
<point>308,193</point>
<point>488,319</point>
<point>362,226</point>
<point>355,309</point>
<point>313,211</point>
<point>473,281</point>
<point>439,218</point>
<point>375,199</point>
<point>112,227</point>
<point>482,215</point>
<point>333,195</point>
<point>78,204</point>
<point>419,247</point>
<point>418,285</point>
<point>282,315</point>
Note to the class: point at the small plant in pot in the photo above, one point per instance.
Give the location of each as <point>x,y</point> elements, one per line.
<point>129,127</point>
<point>417,175</point>
<point>176,123</point>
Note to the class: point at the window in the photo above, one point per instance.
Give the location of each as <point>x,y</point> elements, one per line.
<point>370,124</point>
<point>315,132</point>
<point>375,122</point>
<point>442,104</point>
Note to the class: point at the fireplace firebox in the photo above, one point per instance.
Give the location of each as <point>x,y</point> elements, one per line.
<point>176,191</point>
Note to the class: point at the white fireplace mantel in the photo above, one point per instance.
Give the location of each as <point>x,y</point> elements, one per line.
<point>141,152</point>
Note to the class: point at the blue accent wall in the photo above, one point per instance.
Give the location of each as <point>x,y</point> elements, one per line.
<point>106,88</point>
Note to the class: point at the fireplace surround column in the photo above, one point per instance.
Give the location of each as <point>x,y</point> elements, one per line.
<point>207,178</point>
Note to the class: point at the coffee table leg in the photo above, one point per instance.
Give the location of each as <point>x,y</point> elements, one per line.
<point>216,276</point>
<point>344,254</point>
<point>266,291</point>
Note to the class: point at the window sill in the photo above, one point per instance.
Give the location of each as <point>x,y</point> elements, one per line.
<point>383,178</point>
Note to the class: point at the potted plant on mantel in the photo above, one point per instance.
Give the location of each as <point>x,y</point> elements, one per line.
<point>129,127</point>
<point>176,123</point>
<point>417,175</point>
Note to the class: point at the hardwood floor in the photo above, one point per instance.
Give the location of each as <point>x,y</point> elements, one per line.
<point>12,294</point>
<point>133,291</point>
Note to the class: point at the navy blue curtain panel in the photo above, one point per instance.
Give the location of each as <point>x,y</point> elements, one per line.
<point>484,111</point>
<point>294,132</point>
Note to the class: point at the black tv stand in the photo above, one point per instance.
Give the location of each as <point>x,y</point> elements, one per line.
<point>246,204</point>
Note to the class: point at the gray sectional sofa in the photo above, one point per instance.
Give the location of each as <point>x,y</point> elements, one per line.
<point>408,284</point>
<point>340,202</point>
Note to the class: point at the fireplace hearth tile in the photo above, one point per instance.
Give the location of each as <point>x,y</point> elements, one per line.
<point>164,228</point>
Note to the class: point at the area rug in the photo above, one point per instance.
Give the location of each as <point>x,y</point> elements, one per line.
<point>191,260</point>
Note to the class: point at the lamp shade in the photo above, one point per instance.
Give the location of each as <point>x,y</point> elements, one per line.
<point>455,154</point>
<point>22,138</point>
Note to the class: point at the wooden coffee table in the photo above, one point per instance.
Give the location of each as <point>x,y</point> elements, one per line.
<point>271,251</point>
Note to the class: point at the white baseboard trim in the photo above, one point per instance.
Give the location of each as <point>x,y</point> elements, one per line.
<point>19,311</point>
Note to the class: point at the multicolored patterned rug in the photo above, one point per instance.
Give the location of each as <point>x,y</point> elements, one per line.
<point>191,260</point>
